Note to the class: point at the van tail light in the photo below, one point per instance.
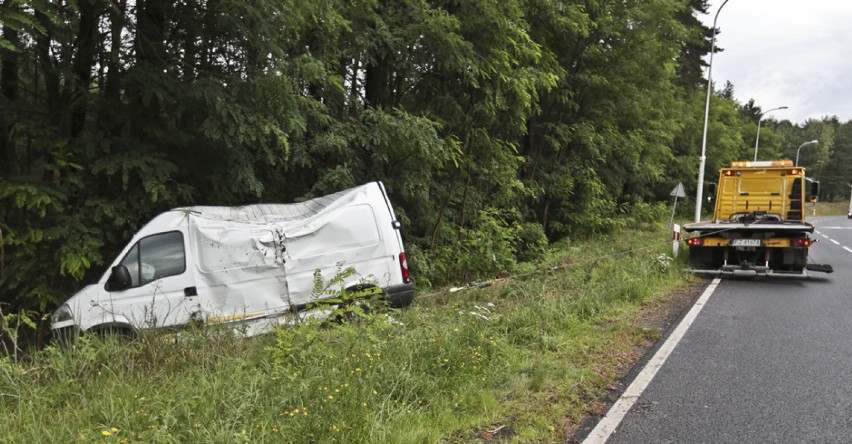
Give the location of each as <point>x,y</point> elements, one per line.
<point>695,241</point>
<point>403,266</point>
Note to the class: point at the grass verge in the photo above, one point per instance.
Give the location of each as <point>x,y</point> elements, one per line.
<point>831,208</point>
<point>522,360</point>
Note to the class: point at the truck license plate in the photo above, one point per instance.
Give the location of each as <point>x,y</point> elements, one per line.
<point>745,242</point>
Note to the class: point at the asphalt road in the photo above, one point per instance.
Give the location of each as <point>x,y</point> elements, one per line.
<point>765,361</point>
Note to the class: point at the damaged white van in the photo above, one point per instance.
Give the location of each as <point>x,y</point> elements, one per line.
<point>244,266</point>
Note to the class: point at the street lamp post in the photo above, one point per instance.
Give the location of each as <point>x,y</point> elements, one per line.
<point>757,139</point>
<point>800,147</point>
<point>699,190</point>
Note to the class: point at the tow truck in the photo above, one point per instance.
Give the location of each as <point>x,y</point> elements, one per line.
<point>758,225</point>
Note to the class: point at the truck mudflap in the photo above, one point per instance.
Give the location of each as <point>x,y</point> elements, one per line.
<point>737,271</point>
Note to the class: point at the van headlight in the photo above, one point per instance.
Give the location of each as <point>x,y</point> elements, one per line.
<point>61,314</point>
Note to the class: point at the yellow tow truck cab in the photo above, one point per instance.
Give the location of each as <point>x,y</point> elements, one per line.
<point>758,224</point>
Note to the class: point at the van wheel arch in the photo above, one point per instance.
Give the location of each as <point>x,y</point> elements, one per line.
<point>123,331</point>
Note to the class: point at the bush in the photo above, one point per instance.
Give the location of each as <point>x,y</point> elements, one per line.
<point>643,212</point>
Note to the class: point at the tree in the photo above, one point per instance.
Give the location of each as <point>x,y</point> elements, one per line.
<point>603,136</point>
<point>485,120</point>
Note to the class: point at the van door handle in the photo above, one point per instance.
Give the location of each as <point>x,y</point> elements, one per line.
<point>190,291</point>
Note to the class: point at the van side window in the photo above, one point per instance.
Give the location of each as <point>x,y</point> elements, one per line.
<point>156,257</point>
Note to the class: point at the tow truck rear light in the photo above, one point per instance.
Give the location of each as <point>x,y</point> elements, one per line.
<point>695,241</point>
<point>403,267</point>
<point>805,242</point>
<point>794,172</point>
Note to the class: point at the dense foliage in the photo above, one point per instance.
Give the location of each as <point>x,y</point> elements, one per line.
<point>495,125</point>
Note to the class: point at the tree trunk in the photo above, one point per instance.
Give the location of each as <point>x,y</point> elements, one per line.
<point>90,12</point>
<point>464,203</point>
<point>150,35</point>
<point>530,149</point>
<point>112,89</point>
<point>150,59</point>
<point>376,82</point>
<point>53,99</point>
<point>8,99</point>
<point>378,71</point>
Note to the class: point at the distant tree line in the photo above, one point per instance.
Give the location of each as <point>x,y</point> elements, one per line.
<point>497,126</point>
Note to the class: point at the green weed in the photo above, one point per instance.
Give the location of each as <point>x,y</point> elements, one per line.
<point>524,358</point>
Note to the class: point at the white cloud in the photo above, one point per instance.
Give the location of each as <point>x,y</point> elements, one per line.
<point>787,53</point>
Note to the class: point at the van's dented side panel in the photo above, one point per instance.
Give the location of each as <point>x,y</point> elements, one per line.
<point>256,261</point>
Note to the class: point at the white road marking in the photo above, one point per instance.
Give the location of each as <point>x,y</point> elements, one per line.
<point>836,228</point>
<point>834,242</point>
<point>847,249</point>
<point>610,422</point>
<point>823,235</point>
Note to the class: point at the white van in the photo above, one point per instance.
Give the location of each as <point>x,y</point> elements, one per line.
<point>244,266</point>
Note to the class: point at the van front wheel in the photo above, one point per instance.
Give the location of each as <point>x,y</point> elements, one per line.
<point>119,332</point>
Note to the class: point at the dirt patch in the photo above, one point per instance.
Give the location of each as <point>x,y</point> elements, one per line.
<point>659,318</point>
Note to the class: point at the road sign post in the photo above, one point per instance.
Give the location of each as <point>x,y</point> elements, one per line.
<point>675,239</point>
<point>678,191</point>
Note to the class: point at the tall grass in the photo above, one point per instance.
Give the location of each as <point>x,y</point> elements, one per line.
<point>828,209</point>
<point>522,359</point>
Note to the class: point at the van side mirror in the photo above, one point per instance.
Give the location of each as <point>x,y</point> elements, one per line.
<point>814,191</point>
<point>119,279</point>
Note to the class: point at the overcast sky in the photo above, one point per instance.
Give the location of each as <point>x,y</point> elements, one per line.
<point>795,53</point>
